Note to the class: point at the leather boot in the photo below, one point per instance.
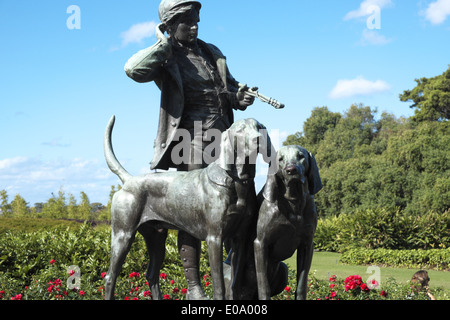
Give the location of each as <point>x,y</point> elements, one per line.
<point>190,249</point>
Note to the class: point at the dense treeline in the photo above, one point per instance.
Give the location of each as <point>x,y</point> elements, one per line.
<point>57,207</point>
<point>385,162</point>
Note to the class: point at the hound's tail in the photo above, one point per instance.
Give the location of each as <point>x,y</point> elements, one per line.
<point>110,157</point>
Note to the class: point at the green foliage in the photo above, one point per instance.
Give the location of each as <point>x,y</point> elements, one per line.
<point>31,225</point>
<point>37,266</point>
<point>5,207</point>
<point>387,163</point>
<point>381,228</point>
<point>19,206</point>
<point>34,258</point>
<point>431,98</point>
<point>338,289</point>
<point>57,207</point>
<point>438,259</point>
<point>314,128</point>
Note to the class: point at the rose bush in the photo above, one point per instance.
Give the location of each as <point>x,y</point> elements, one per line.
<point>353,288</point>
<point>39,266</point>
<point>52,285</point>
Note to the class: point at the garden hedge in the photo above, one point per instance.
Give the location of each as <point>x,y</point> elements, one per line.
<point>383,229</point>
<point>438,259</point>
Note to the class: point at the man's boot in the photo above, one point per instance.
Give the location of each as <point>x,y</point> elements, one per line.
<point>190,249</point>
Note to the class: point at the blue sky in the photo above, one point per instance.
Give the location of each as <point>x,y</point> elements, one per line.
<point>59,86</point>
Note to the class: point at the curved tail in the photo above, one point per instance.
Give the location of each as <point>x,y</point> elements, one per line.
<point>110,157</point>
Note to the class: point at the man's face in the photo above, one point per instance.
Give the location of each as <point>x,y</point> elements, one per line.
<point>187,29</point>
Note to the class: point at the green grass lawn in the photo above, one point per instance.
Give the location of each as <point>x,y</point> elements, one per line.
<point>325,264</point>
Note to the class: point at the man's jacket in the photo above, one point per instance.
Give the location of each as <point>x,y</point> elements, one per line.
<point>158,64</point>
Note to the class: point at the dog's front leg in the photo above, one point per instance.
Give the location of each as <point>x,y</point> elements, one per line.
<point>261,264</point>
<point>215,251</point>
<point>304,258</point>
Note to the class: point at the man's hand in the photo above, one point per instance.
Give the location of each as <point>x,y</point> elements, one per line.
<point>245,99</point>
<point>159,33</point>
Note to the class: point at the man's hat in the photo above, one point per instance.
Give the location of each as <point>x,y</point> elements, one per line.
<point>168,9</point>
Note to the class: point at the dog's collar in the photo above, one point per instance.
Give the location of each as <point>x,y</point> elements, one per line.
<point>223,177</point>
<point>219,176</point>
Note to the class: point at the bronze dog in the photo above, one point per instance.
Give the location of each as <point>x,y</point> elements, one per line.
<point>201,202</point>
<point>287,218</point>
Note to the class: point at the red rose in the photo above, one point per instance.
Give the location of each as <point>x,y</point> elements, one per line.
<point>52,261</point>
<point>166,297</point>
<point>163,276</point>
<point>103,275</point>
<point>364,287</point>
<point>184,291</point>
<point>17,297</point>
<point>383,294</point>
<point>374,283</point>
<point>287,289</point>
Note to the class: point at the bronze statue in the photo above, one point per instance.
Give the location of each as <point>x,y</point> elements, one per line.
<point>196,87</point>
<point>212,196</point>
<point>287,219</point>
<point>199,202</point>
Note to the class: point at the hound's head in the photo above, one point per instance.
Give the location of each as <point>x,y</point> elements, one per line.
<point>297,172</point>
<point>242,142</point>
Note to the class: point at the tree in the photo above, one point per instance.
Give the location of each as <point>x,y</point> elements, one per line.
<point>431,98</point>
<point>5,208</point>
<point>38,206</point>
<point>19,206</point>
<point>55,207</point>
<point>356,129</point>
<point>314,128</point>
<point>72,208</point>
<point>85,207</point>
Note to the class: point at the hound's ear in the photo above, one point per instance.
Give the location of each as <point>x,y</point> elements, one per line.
<point>267,149</point>
<point>314,181</point>
<point>270,188</point>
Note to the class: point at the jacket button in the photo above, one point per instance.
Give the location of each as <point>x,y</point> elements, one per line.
<point>163,145</point>
<point>174,124</point>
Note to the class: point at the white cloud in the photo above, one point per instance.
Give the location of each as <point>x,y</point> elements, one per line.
<point>438,11</point>
<point>372,37</point>
<point>359,86</point>
<point>36,179</point>
<point>364,8</point>
<point>8,163</point>
<point>138,32</point>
